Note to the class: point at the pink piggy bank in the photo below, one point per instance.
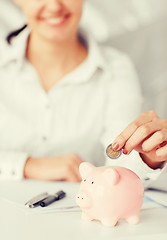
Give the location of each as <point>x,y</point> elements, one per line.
<point>109,194</point>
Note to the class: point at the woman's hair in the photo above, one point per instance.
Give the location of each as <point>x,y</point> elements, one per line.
<point>15,33</point>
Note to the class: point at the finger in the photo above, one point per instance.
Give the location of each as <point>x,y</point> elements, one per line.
<point>76,169</point>
<point>140,135</point>
<point>75,158</point>
<point>76,173</point>
<point>154,141</point>
<point>162,153</point>
<point>73,168</point>
<point>71,176</point>
<point>74,178</point>
<point>144,118</point>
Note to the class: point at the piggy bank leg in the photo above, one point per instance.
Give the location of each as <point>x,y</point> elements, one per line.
<point>86,217</point>
<point>110,222</point>
<point>133,219</point>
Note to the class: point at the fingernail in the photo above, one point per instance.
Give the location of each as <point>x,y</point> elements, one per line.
<point>115,146</point>
<point>125,151</point>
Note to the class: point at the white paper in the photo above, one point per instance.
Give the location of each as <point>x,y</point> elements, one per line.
<point>18,193</point>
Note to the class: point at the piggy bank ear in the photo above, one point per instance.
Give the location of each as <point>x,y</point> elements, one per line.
<point>111,176</point>
<point>85,168</point>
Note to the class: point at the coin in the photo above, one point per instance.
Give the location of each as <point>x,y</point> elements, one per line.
<point>113,154</point>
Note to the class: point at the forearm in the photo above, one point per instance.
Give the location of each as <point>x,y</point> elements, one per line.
<point>41,168</point>
<point>150,163</point>
<point>53,168</point>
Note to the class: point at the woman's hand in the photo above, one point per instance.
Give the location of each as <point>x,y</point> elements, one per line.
<point>147,135</point>
<point>54,168</point>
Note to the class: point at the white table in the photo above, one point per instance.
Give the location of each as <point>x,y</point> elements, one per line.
<point>19,223</point>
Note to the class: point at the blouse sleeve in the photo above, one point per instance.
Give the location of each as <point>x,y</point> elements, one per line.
<point>12,165</point>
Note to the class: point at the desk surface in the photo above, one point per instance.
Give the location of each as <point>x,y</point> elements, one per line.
<point>17,223</point>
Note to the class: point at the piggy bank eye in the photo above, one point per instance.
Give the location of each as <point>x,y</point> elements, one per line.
<point>92,182</point>
<point>84,180</point>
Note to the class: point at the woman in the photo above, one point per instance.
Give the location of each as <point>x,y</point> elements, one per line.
<point>63,98</point>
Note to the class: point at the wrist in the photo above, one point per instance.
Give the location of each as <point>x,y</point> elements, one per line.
<point>39,168</point>
<point>31,167</point>
<point>152,164</point>
<point>25,171</point>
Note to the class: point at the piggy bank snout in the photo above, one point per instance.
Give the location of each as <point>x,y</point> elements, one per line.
<point>83,200</point>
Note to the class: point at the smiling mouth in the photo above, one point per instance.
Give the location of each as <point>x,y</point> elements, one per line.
<point>56,21</point>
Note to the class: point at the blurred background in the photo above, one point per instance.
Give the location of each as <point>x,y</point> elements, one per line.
<point>136,27</point>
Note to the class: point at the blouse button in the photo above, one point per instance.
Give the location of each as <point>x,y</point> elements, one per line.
<point>47,107</point>
<point>44,138</point>
<point>13,172</point>
<point>147,179</point>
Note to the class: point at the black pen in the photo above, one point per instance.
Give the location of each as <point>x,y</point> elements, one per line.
<point>52,198</point>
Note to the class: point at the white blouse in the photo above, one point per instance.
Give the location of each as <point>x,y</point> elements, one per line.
<point>81,114</point>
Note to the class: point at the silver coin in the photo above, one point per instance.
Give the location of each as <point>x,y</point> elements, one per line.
<point>113,154</point>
